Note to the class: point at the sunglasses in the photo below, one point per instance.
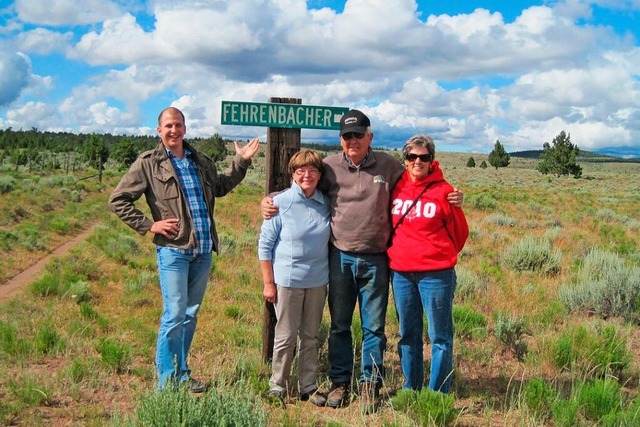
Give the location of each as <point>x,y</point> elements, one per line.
<point>350,135</point>
<point>423,157</point>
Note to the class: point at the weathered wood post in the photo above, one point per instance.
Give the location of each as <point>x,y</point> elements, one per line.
<point>284,117</point>
<point>282,143</point>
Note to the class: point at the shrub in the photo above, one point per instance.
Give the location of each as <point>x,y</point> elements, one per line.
<point>599,398</point>
<point>565,413</point>
<point>115,356</point>
<point>10,344</point>
<point>7,240</point>
<point>232,312</point>
<point>530,254</point>
<point>79,291</point>
<point>468,283</point>
<point>509,331</point>
<point>122,247</point>
<point>223,406</point>
<point>483,201</point>
<point>469,323</point>
<point>599,353</point>
<point>426,407</point>
<point>48,340</point>
<point>141,282</point>
<point>605,286</point>
<point>538,397</point>
<point>28,391</point>
<point>7,184</point>
<point>500,220</point>
<point>87,311</point>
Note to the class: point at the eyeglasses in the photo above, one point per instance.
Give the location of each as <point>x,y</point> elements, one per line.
<point>350,135</point>
<point>423,157</point>
<point>303,172</point>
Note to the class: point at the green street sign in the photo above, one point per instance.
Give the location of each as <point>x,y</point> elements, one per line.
<point>281,115</point>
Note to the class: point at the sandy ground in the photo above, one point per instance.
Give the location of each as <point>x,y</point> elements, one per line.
<point>18,283</point>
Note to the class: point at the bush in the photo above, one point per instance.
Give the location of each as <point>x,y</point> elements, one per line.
<point>7,184</point>
<point>468,284</point>
<point>468,322</point>
<point>599,398</point>
<point>509,331</point>
<point>530,254</point>
<point>48,340</point>
<point>565,413</point>
<point>222,406</point>
<point>538,397</point>
<point>483,201</point>
<point>10,344</point>
<point>598,353</point>
<point>28,391</point>
<point>605,286</point>
<point>500,220</point>
<point>115,356</point>
<point>426,407</point>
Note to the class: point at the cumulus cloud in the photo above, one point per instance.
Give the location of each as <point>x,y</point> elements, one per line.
<point>15,74</point>
<point>468,79</point>
<point>65,12</point>
<point>42,41</point>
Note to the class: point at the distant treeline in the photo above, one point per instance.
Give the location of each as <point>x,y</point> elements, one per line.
<point>584,156</point>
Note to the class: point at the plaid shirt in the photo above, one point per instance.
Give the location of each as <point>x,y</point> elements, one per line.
<point>192,188</point>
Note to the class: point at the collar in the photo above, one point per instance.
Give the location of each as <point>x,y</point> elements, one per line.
<point>317,195</point>
<point>350,163</point>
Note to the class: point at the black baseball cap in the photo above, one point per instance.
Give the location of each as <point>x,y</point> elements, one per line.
<point>354,121</point>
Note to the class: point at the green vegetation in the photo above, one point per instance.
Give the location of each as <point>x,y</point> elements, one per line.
<point>561,158</point>
<point>426,407</point>
<point>498,157</point>
<point>545,314</point>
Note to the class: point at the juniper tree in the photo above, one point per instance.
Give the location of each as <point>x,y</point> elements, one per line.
<point>471,163</point>
<point>498,157</point>
<point>560,159</point>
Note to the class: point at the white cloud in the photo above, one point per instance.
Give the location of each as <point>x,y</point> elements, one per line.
<point>65,12</point>
<point>468,79</point>
<point>42,41</point>
<point>35,112</point>
<point>15,75</point>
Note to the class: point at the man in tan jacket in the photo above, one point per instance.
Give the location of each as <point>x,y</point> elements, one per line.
<point>180,186</point>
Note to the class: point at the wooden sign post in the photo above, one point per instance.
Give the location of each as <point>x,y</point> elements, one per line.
<point>284,117</point>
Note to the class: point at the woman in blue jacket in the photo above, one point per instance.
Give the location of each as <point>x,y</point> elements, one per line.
<point>293,252</point>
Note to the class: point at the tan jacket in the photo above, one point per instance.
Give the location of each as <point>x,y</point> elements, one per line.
<point>153,175</point>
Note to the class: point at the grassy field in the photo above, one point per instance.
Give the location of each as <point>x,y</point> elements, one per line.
<point>532,341</point>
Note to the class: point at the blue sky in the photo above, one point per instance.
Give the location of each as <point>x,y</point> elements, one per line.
<point>466,72</point>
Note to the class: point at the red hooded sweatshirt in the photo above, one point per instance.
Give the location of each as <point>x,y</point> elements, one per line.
<point>433,232</point>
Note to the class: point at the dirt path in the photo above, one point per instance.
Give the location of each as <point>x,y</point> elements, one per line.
<point>20,281</point>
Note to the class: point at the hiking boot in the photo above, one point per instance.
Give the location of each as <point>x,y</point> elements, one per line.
<point>370,400</point>
<point>196,386</point>
<point>315,397</point>
<point>338,395</point>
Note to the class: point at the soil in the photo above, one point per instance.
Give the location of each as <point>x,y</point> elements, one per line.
<point>17,283</point>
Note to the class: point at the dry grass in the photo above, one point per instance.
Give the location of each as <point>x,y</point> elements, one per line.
<point>228,343</point>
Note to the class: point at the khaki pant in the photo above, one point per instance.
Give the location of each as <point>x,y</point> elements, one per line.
<point>299,312</point>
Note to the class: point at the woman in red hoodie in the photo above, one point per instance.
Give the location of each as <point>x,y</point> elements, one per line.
<point>428,235</point>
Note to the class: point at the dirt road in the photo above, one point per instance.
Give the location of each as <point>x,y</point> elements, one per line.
<point>20,281</point>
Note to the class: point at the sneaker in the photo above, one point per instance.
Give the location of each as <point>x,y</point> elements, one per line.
<point>315,397</point>
<point>370,400</point>
<point>338,395</point>
<point>196,386</point>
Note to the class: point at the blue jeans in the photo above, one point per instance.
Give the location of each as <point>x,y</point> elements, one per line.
<point>431,292</point>
<point>362,278</point>
<point>183,281</point>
